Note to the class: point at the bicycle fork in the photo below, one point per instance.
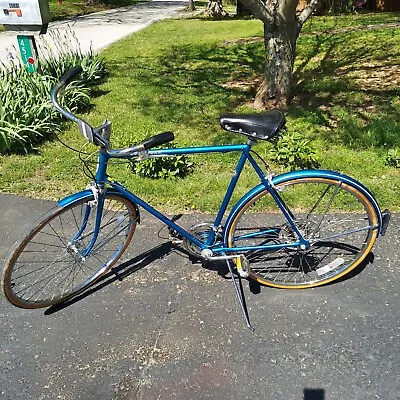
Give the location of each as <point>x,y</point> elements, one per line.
<point>96,204</point>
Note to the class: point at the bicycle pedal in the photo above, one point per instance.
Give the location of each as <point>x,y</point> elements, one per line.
<point>175,237</point>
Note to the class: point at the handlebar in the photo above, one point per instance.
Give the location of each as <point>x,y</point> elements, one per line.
<point>69,75</point>
<point>100,135</point>
<point>85,128</point>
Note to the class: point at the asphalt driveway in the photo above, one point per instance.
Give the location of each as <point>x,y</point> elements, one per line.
<point>98,30</point>
<point>163,327</point>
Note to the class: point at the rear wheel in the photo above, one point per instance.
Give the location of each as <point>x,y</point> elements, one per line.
<point>337,219</point>
<point>49,265</point>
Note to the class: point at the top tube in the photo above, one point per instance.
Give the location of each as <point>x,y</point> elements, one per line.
<point>165,152</point>
<point>198,150</point>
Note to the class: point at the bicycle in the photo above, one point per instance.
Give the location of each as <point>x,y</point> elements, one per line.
<point>304,240</point>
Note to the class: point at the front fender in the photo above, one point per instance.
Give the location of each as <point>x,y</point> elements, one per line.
<point>87,194</point>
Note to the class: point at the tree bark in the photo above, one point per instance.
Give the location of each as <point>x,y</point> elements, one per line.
<point>191,6</point>
<point>280,47</point>
<point>215,10</point>
<point>281,28</point>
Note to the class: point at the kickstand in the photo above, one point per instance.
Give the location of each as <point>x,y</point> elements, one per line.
<point>240,296</point>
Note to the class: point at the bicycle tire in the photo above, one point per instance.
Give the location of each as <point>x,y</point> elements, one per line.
<point>339,241</point>
<point>46,266</point>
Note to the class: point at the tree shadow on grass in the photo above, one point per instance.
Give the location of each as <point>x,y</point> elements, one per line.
<point>191,85</point>
<point>344,83</point>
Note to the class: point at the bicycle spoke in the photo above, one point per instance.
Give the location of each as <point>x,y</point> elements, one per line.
<point>336,241</point>
<point>54,263</point>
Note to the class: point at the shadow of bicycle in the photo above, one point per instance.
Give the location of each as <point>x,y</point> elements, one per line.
<point>119,272</point>
<point>127,268</point>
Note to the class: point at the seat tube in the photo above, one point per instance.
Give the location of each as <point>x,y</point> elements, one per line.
<point>278,200</point>
<point>229,192</point>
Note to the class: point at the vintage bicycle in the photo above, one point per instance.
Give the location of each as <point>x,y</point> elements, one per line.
<point>300,229</point>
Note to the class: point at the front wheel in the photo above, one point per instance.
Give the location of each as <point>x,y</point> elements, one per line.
<point>50,264</point>
<point>336,218</point>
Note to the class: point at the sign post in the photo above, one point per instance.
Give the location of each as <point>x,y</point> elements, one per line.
<point>26,16</point>
<point>27,48</point>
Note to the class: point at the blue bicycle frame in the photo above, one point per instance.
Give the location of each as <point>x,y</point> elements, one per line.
<point>218,241</point>
<point>217,248</point>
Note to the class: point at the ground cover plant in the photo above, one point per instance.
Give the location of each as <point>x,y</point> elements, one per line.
<point>26,115</point>
<point>346,105</point>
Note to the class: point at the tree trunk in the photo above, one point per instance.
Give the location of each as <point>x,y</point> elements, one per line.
<point>214,9</point>
<point>241,10</point>
<point>282,26</point>
<point>280,44</point>
<point>191,6</point>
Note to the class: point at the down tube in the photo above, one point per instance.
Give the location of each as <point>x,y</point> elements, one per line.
<point>133,198</point>
<point>243,148</point>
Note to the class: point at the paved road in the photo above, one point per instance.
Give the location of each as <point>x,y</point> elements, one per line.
<point>97,31</point>
<point>172,330</point>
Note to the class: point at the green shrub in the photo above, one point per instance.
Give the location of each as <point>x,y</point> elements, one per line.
<point>67,45</point>
<point>294,151</point>
<point>337,6</point>
<point>393,158</point>
<point>163,167</point>
<point>26,114</point>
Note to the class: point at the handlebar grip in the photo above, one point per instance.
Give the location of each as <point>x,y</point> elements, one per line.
<point>69,75</point>
<point>158,140</point>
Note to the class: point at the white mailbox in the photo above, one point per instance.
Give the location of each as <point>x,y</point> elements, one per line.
<point>25,15</point>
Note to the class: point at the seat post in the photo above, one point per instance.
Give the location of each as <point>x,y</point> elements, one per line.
<point>251,142</point>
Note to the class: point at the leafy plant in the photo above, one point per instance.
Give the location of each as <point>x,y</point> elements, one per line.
<point>163,167</point>
<point>60,51</point>
<point>294,151</point>
<point>339,6</point>
<point>393,158</point>
<point>26,115</point>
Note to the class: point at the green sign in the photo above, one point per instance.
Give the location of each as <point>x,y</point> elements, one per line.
<point>27,49</point>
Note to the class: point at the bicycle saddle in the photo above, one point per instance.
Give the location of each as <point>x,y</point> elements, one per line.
<point>262,126</point>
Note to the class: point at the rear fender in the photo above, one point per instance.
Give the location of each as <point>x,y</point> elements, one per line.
<point>297,175</point>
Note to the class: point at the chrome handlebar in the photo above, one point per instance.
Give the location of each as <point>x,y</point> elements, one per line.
<point>86,129</point>
<point>101,135</point>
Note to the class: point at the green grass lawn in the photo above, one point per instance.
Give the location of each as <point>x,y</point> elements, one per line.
<point>347,101</point>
